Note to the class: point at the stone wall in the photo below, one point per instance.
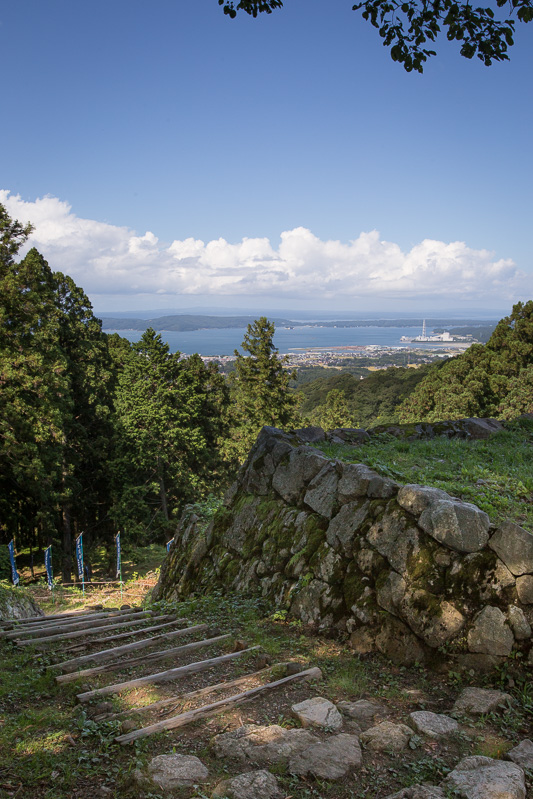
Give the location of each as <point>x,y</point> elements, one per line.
<point>403,569</point>
<point>15,603</point>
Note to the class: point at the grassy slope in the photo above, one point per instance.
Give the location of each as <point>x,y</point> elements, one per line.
<point>495,474</point>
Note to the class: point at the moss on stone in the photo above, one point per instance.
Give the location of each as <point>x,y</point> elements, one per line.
<point>231,570</point>
<point>470,580</point>
<point>353,587</point>
<point>427,603</point>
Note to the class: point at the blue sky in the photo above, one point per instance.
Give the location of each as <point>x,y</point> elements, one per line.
<point>171,157</point>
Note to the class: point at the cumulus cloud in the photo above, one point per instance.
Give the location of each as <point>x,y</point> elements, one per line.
<point>106,259</point>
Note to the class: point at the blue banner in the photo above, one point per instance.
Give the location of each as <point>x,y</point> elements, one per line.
<point>79,555</point>
<point>48,567</point>
<point>119,563</point>
<point>14,573</point>
<point>169,543</point>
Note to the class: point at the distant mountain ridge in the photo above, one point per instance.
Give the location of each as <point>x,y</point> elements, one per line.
<point>188,322</point>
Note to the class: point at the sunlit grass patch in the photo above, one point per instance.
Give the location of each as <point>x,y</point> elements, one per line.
<point>494,474</point>
<point>346,677</point>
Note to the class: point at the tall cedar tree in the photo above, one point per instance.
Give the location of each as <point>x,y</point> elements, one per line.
<point>260,389</point>
<point>170,413</point>
<point>54,403</point>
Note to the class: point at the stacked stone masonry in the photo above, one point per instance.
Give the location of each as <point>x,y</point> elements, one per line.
<point>406,570</point>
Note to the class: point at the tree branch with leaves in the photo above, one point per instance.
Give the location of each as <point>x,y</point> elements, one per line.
<point>409,28</point>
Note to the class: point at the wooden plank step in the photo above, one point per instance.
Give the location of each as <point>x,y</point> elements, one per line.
<point>68,618</point>
<point>41,632</point>
<point>215,707</point>
<point>48,640</point>
<point>36,619</point>
<point>129,634</point>
<point>175,700</point>
<point>107,654</point>
<point>154,656</point>
<point>164,676</point>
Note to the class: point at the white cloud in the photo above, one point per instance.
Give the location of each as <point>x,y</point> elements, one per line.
<point>105,259</point>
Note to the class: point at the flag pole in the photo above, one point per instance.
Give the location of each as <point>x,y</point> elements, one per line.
<point>79,559</point>
<point>119,563</point>
<point>49,570</point>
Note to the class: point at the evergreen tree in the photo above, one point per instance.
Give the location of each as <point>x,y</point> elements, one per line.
<point>170,414</point>
<point>259,388</point>
<point>54,403</point>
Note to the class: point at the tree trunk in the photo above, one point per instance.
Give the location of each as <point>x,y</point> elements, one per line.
<point>67,545</point>
<point>162,490</point>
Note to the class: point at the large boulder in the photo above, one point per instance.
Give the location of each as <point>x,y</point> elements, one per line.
<point>484,778</point>
<point>458,525</point>
<point>491,634</point>
<point>263,745</point>
<point>514,546</point>
<point>175,771</point>
<point>251,785</point>
<point>329,760</point>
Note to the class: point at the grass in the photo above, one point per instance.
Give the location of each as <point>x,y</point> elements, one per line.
<point>494,474</point>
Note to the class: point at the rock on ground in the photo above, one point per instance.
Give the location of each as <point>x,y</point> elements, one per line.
<point>252,785</point>
<point>318,712</point>
<point>522,754</point>
<point>173,771</point>
<point>363,711</point>
<point>419,792</point>
<point>478,701</point>
<point>485,778</point>
<point>329,760</point>
<point>264,745</point>
<point>386,736</point>
<point>434,725</point>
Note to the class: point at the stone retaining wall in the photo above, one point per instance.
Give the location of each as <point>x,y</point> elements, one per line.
<point>407,570</point>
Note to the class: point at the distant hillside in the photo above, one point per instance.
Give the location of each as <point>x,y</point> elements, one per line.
<point>495,379</point>
<point>184,322</point>
<point>373,400</point>
<point>481,333</point>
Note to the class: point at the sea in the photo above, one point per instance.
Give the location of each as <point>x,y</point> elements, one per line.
<point>220,342</point>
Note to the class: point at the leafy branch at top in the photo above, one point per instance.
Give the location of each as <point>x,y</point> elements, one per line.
<point>409,27</point>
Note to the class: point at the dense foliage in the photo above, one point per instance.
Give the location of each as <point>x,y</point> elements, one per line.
<point>374,400</point>
<point>487,380</point>
<point>96,435</point>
